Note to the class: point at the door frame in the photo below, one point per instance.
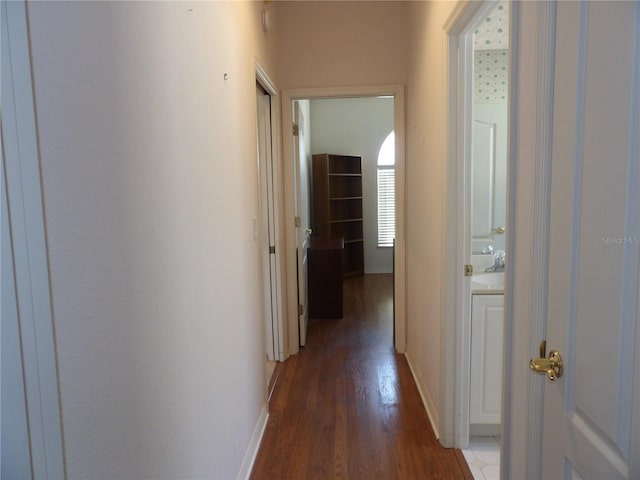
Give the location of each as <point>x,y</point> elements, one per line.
<point>288,96</point>
<point>275,329</point>
<point>21,164</point>
<point>302,236</point>
<point>531,135</point>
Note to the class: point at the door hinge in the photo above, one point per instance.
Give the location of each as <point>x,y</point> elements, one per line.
<point>272,249</point>
<point>296,130</point>
<point>468,270</point>
<point>300,309</point>
<point>298,221</point>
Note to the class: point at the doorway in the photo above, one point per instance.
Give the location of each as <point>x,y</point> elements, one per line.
<point>289,97</point>
<point>340,193</point>
<point>487,212</point>
<point>479,58</point>
<point>266,227</point>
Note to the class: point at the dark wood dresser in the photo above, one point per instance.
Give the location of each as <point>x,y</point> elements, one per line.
<point>324,258</point>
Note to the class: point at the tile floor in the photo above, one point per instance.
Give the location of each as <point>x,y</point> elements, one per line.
<point>483,457</point>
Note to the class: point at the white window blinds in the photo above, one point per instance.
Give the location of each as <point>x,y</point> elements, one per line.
<point>386,192</point>
<point>386,206</point>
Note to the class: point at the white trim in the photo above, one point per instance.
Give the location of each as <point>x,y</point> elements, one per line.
<point>280,304</point>
<point>514,42</point>
<point>264,233</point>
<point>530,132</point>
<point>28,235</point>
<point>541,211</point>
<point>288,96</point>
<point>264,80</point>
<point>634,186</point>
<point>254,445</point>
<point>276,148</point>
<point>461,15</point>
<point>427,401</point>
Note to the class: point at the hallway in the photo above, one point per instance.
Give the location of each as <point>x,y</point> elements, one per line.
<point>347,407</point>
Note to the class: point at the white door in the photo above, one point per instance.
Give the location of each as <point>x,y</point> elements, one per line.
<point>591,413</point>
<point>300,165</point>
<point>489,176</point>
<point>267,226</point>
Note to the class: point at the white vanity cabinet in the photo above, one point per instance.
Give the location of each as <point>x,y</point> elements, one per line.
<point>487,320</point>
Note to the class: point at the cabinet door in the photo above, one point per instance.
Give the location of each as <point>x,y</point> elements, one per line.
<point>487,319</point>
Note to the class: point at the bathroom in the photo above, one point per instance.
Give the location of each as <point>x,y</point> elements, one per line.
<point>488,179</point>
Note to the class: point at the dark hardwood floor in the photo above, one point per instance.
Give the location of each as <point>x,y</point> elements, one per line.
<point>346,407</point>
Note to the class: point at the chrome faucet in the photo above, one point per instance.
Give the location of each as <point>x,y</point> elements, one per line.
<point>498,263</point>
<point>488,249</point>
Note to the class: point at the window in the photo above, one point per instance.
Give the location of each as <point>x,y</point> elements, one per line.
<point>386,192</point>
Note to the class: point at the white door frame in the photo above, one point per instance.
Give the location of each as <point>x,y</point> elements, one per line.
<point>272,287</point>
<point>288,96</point>
<point>530,136</point>
<point>21,163</point>
<point>302,230</point>
<point>455,339</point>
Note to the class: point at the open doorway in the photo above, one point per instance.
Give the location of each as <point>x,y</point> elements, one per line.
<point>324,101</point>
<point>345,174</point>
<point>479,73</point>
<point>488,209</point>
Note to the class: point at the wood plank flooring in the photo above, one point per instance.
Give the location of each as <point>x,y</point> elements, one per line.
<point>346,407</point>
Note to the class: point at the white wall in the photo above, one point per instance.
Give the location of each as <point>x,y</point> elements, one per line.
<point>150,189</point>
<point>327,44</point>
<point>357,126</point>
<point>426,180</point>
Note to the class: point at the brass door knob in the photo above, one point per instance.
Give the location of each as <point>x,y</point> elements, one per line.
<point>552,366</point>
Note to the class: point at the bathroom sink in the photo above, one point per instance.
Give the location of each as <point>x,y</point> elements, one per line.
<point>490,281</point>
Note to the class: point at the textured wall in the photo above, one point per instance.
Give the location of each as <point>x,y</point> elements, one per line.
<point>150,190</point>
<point>342,43</point>
<point>426,181</point>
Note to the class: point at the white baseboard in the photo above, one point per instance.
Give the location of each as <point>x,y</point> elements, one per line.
<point>254,445</point>
<point>429,406</point>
